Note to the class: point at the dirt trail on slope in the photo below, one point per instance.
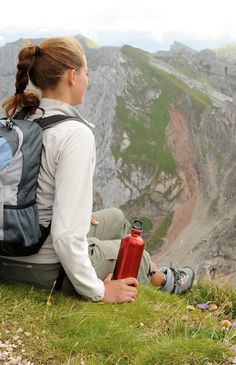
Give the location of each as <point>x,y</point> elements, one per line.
<point>179,140</point>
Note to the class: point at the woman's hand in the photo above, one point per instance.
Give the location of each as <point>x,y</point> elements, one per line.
<point>120,291</point>
<point>94,221</point>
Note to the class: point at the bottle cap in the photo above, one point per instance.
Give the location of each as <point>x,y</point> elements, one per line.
<point>137,224</point>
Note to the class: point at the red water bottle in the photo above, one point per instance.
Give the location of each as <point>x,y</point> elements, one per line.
<point>130,253</point>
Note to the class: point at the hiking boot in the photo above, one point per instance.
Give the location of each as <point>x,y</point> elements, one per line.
<point>177,281</point>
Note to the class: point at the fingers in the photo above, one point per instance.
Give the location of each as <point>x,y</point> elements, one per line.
<point>94,221</point>
<point>126,296</point>
<point>127,281</point>
<point>128,290</point>
<point>131,281</point>
<point>120,291</point>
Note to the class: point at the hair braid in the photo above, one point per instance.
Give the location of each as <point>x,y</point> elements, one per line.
<point>21,98</point>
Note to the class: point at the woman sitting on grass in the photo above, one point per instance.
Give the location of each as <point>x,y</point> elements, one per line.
<point>85,248</point>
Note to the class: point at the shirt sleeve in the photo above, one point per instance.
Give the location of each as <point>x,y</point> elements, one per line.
<point>72,211</point>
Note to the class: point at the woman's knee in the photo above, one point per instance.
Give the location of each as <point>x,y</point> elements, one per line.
<point>115,213</point>
<point>112,224</point>
<point>120,221</point>
<point>118,214</point>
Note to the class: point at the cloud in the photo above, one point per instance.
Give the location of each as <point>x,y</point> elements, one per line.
<point>158,20</point>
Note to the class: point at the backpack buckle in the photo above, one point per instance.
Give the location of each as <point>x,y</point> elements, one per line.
<point>10,124</point>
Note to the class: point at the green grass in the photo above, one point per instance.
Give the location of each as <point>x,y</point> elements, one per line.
<point>148,146</point>
<point>156,329</point>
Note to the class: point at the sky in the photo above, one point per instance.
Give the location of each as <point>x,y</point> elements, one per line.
<point>148,24</point>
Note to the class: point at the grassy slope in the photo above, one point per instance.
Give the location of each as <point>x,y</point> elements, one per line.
<point>155,330</point>
<point>147,131</point>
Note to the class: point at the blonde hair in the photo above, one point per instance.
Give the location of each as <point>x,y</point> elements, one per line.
<point>43,65</point>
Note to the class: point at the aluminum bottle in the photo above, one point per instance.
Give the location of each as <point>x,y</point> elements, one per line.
<point>130,253</point>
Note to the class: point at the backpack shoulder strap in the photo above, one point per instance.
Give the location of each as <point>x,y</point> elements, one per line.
<point>24,112</point>
<point>47,122</point>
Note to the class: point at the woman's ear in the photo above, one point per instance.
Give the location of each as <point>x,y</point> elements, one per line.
<point>70,75</point>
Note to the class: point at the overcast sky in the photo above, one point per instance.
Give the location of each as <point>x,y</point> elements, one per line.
<point>148,24</point>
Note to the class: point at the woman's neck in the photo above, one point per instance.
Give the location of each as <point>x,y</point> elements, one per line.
<point>56,94</point>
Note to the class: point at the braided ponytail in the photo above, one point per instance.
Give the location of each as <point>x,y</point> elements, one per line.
<point>22,98</point>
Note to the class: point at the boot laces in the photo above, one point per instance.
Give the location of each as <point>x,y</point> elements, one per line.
<point>178,274</point>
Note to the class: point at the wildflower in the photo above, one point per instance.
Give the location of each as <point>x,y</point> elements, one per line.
<point>190,307</point>
<point>213,307</point>
<point>233,324</point>
<point>203,306</point>
<point>225,324</point>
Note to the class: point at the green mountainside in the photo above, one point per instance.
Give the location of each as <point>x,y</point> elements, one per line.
<point>147,131</point>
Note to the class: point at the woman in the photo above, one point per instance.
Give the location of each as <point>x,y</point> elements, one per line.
<point>87,252</point>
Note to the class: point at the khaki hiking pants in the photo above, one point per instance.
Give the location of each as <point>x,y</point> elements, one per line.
<point>104,242</point>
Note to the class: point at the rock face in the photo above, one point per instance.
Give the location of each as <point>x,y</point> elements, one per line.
<point>100,107</point>
<point>217,66</point>
<point>165,135</point>
<point>202,232</point>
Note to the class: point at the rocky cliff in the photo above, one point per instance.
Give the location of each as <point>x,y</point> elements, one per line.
<point>165,134</point>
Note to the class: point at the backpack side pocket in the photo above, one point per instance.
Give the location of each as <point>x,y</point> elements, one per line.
<point>21,230</point>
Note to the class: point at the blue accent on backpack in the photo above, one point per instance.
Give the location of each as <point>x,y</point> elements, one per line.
<point>6,153</point>
<point>20,156</point>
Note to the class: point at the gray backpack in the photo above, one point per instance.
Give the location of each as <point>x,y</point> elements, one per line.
<point>20,155</point>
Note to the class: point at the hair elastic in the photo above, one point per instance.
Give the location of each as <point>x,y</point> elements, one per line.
<point>37,51</point>
<point>19,91</point>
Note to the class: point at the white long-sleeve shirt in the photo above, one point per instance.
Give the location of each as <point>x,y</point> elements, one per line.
<point>64,198</point>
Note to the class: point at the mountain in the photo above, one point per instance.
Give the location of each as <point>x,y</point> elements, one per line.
<point>165,134</point>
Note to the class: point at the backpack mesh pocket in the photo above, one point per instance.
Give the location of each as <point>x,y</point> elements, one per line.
<point>22,232</point>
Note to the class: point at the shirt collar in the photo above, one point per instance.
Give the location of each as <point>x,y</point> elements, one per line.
<point>54,106</point>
